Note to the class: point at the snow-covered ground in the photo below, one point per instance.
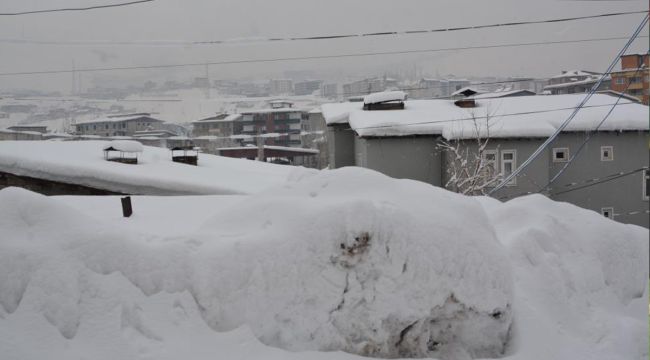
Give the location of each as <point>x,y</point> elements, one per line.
<point>346,260</point>
<point>82,163</point>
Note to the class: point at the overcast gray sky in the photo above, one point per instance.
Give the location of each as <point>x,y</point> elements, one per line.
<point>200,20</point>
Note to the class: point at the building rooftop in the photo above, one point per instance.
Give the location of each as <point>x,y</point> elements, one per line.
<point>118,118</point>
<point>523,116</point>
<point>81,162</point>
<point>219,118</point>
<point>566,73</point>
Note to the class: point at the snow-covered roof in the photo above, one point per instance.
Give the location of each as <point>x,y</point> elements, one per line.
<point>384,96</point>
<point>523,116</point>
<point>467,91</point>
<point>124,146</point>
<point>82,163</point>
<point>219,118</point>
<point>575,73</point>
<point>588,81</point>
<point>498,94</point>
<point>270,110</point>
<point>273,147</point>
<point>118,118</point>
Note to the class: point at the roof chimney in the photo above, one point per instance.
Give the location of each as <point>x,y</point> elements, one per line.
<point>465,103</point>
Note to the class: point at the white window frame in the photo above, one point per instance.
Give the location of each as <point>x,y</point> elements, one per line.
<point>502,163</point>
<point>646,177</point>
<point>495,162</point>
<point>609,210</point>
<point>611,153</point>
<point>566,154</point>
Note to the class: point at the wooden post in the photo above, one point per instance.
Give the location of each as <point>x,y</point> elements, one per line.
<point>127,209</point>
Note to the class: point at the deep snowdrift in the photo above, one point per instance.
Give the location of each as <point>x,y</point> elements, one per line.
<point>345,260</point>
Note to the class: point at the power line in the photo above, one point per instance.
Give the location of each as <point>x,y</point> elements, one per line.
<point>594,183</point>
<point>589,136</point>
<point>75,9</point>
<point>548,141</point>
<point>318,37</point>
<point>411,32</point>
<point>315,57</point>
<point>586,182</point>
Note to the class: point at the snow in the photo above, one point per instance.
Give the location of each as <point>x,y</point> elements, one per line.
<point>573,83</point>
<point>116,118</point>
<point>82,163</point>
<point>227,118</point>
<point>385,96</point>
<point>465,89</point>
<point>231,277</point>
<point>273,110</point>
<point>124,146</point>
<point>524,116</point>
<point>504,93</point>
<point>575,73</point>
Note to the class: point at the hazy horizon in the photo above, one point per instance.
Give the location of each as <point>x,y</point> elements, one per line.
<point>174,23</point>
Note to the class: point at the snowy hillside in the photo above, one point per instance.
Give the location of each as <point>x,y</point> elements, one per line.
<point>345,260</point>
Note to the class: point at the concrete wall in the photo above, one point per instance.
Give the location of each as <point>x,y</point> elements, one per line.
<point>414,158</point>
<point>624,194</point>
<point>48,187</point>
<point>119,128</point>
<point>340,142</point>
<point>536,174</point>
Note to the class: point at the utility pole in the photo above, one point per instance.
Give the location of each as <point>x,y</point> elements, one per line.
<point>260,146</point>
<point>74,80</point>
<point>207,81</point>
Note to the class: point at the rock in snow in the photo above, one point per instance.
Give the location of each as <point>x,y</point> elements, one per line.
<point>345,260</point>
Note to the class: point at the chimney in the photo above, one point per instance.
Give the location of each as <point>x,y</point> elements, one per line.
<point>465,103</point>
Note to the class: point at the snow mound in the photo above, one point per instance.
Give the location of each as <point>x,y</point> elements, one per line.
<point>582,280</point>
<point>346,260</point>
<point>370,265</point>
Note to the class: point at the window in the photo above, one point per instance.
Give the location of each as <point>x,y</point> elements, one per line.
<point>560,154</point>
<point>508,165</point>
<point>620,81</point>
<point>646,184</point>
<point>608,212</point>
<point>635,80</point>
<point>489,162</point>
<point>606,153</point>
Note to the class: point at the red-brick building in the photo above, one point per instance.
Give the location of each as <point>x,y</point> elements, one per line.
<point>633,79</point>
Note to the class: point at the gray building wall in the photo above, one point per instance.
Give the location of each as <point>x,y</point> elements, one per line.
<point>625,194</point>
<point>340,143</point>
<point>118,127</point>
<point>536,174</point>
<point>416,158</point>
